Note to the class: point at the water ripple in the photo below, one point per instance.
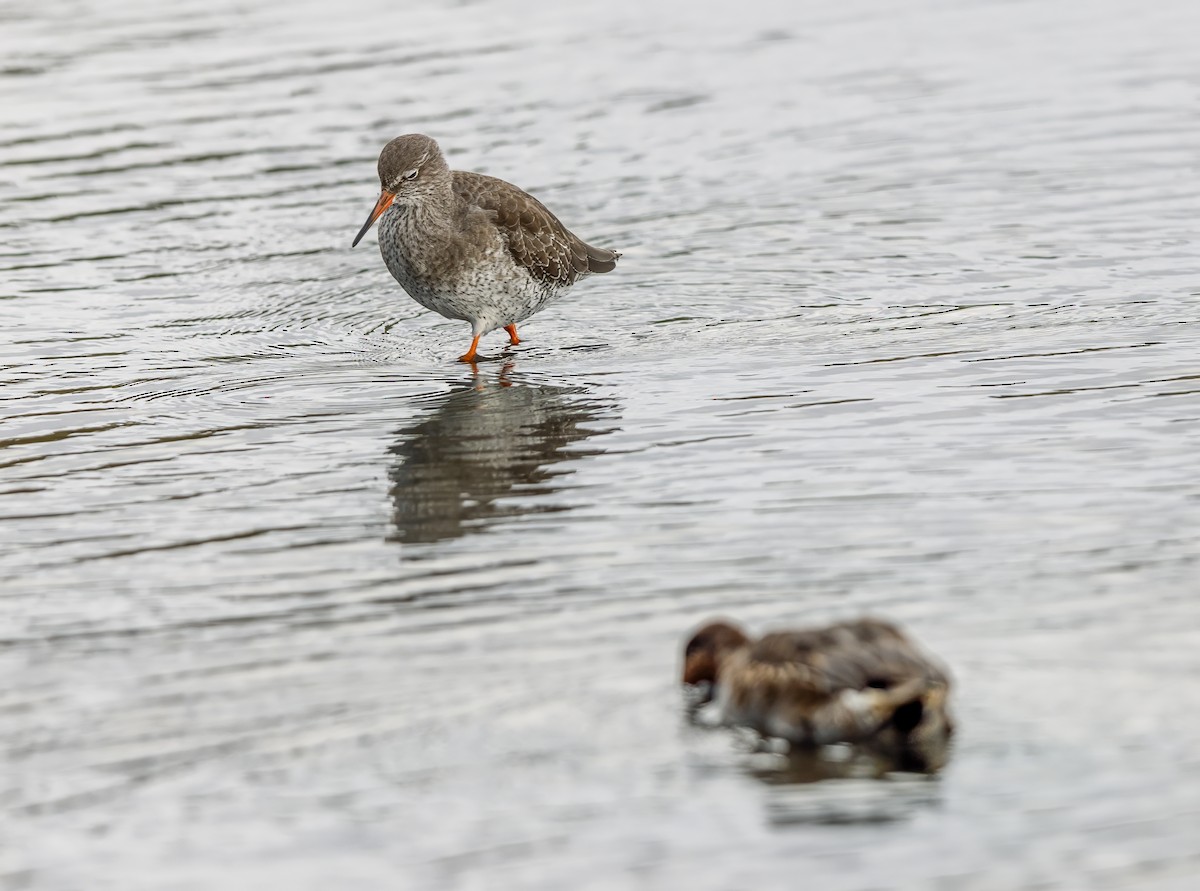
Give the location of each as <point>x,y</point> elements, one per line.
<point>904,323</point>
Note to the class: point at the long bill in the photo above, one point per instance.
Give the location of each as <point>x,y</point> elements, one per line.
<point>384,202</point>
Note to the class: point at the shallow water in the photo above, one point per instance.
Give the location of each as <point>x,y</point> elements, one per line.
<point>906,323</point>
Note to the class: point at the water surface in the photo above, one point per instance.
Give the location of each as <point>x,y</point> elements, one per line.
<point>905,323</point>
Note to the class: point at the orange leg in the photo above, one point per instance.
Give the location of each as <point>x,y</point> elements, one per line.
<point>469,355</point>
<point>512,334</point>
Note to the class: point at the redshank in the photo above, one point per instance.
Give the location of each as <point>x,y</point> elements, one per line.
<point>471,246</point>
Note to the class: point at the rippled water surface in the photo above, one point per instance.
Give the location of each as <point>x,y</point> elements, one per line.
<point>906,323</point>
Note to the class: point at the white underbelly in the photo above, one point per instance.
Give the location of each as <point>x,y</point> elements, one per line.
<point>489,294</point>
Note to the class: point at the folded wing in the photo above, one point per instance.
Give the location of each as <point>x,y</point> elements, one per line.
<point>536,239</point>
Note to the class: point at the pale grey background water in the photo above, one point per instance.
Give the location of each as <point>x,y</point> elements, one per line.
<point>906,322</point>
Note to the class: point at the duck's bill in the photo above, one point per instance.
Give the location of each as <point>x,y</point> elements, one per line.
<point>384,202</point>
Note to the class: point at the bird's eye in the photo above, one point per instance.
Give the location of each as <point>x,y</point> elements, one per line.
<point>412,174</point>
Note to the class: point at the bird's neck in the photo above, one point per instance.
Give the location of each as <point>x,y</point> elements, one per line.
<point>433,211</point>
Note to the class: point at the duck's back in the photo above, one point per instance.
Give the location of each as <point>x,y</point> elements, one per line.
<point>844,683</point>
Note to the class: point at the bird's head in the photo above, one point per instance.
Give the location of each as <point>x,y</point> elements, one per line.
<point>411,168</point>
<point>708,648</point>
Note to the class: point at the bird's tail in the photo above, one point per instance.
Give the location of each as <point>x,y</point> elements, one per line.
<point>601,260</point>
<point>914,705</point>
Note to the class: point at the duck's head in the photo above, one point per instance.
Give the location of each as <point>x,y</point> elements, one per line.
<point>708,648</point>
<point>411,168</point>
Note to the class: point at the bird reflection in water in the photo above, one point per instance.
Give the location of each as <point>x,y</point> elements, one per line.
<point>843,784</point>
<point>799,766</point>
<point>485,441</point>
<point>777,764</point>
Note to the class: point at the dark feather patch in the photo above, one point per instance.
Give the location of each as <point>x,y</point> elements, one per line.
<point>536,239</point>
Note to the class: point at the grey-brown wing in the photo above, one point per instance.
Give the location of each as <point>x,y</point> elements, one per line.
<point>536,239</point>
<point>846,682</point>
<point>854,655</point>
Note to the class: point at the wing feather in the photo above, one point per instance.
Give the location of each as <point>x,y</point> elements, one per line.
<point>536,238</point>
<point>822,685</point>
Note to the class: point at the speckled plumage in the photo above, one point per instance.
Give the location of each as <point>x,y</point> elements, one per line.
<point>471,246</point>
<point>859,681</point>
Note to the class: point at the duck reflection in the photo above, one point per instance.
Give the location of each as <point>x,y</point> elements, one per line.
<point>801,766</point>
<point>485,441</point>
<point>866,786</point>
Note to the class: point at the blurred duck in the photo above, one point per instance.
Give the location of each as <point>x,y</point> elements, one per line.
<point>862,682</point>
